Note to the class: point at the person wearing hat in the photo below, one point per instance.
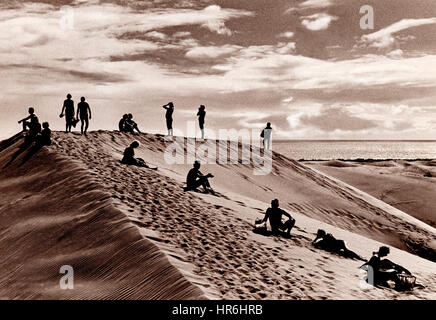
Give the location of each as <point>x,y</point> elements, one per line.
<point>68,107</point>
<point>274,214</point>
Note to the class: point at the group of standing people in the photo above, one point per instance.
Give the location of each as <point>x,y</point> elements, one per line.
<point>126,124</point>
<point>169,107</point>
<point>83,110</point>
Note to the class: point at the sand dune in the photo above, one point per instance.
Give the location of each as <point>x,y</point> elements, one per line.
<point>133,233</point>
<point>407,185</point>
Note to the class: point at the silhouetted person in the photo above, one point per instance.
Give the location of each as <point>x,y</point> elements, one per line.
<point>274,214</point>
<point>85,114</point>
<point>266,135</point>
<point>130,125</point>
<point>129,157</point>
<point>328,242</point>
<point>195,179</point>
<point>44,138</point>
<point>31,122</point>
<point>122,123</point>
<point>68,107</point>
<point>40,139</point>
<point>169,117</point>
<point>201,114</point>
<point>384,270</point>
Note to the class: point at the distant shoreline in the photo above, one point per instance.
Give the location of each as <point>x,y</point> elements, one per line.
<point>362,160</point>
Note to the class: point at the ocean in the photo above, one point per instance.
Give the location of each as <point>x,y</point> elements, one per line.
<point>352,150</point>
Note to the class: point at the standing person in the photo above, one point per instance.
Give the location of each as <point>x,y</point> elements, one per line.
<point>68,107</point>
<point>201,114</point>
<point>169,117</point>
<point>82,109</point>
<point>274,214</point>
<point>266,135</point>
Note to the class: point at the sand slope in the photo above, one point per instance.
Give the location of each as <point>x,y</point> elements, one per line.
<point>407,185</point>
<point>207,238</point>
<point>53,213</point>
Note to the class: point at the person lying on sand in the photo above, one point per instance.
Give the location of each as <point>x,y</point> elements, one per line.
<point>195,179</point>
<point>328,242</point>
<point>274,214</point>
<point>129,157</point>
<point>380,271</point>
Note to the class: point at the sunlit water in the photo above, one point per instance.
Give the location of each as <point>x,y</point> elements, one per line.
<point>351,150</point>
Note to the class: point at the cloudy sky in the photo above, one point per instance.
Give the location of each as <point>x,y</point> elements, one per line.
<point>304,65</point>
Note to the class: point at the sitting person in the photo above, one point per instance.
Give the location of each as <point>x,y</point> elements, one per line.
<point>122,123</point>
<point>33,125</point>
<point>40,139</point>
<point>44,138</point>
<point>274,214</point>
<point>195,179</point>
<point>129,157</point>
<point>380,271</point>
<point>328,242</point>
<point>130,125</point>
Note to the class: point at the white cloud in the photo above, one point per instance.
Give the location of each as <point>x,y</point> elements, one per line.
<point>310,4</point>
<point>181,34</point>
<point>316,4</point>
<point>385,37</point>
<point>219,15</point>
<point>396,54</point>
<point>287,35</point>
<point>156,35</point>
<point>318,21</point>
<point>211,52</point>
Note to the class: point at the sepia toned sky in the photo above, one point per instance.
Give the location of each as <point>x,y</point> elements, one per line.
<point>304,65</point>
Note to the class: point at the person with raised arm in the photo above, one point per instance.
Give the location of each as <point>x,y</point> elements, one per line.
<point>169,117</point>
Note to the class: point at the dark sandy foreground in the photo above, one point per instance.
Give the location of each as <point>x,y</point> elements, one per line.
<point>132,233</point>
